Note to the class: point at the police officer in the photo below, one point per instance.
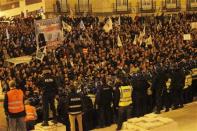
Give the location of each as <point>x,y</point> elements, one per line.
<point>187,90</point>
<point>49,92</point>
<point>149,98</point>
<point>178,81</point>
<point>140,86</point>
<point>123,95</point>
<point>104,101</point>
<point>167,95</point>
<point>75,107</point>
<point>159,82</point>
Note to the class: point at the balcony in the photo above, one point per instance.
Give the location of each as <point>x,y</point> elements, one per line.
<point>147,8</point>
<point>171,7</point>
<point>191,6</point>
<point>121,8</point>
<point>81,8</point>
<point>29,2</point>
<point>9,5</point>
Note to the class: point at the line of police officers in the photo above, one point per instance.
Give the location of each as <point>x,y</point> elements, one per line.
<point>116,100</point>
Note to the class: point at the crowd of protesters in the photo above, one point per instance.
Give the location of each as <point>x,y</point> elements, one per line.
<point>91,57</point>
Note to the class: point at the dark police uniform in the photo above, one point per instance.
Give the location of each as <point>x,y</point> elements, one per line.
<point>187,92</point>
<point>178,82</point>
<point>167,94</point>
<point>159,84</point>
<point>104,100</point>
<point>49,91</point>
<point>75,109</point>
<point>140,86</point>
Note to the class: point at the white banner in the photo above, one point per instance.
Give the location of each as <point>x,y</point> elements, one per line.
<point>194,25</point>
<point>19,60</point>
<point>187,37</point>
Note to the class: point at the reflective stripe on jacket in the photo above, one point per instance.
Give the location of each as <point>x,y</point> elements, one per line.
<point>30,113</point>
<point>125,95</point>
<point>15,101</point>
<point>188,81</point>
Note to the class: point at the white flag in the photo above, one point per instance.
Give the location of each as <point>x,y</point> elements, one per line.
<point>144,30</point>
<point>66,26</point>
<point>170,19</point>
<point>108,25</point>
<point>40,54</point>
<point>135,40</point>
<point>119,42</point>
<point>7,34</point>
<point>91,27</point>
<point>149,41</point>
<point>159,26</point>
<point>140,38</point>
<point>82,26</point>
<point>119,21</point>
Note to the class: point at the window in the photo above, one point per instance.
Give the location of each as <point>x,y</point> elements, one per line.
<point>125,2</point>
<point>121,2</point>
<point>146,4</point>
<point>121,5</point>
<point>83,5</point>
<point>193,1</point>
<point>171,1</point>
<point>171,4</point>
<point>64,7</point>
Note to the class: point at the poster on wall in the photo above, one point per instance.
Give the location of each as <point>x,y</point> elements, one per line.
<point>52,30</point>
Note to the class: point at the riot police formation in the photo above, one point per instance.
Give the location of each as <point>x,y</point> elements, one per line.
<point>105,99</point>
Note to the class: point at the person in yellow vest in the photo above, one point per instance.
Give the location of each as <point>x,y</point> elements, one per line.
<point>31,115</point>
<point>14,108</point>
<point>123,96</point>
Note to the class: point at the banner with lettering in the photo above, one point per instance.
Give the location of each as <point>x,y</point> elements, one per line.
<point>52,30</point>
